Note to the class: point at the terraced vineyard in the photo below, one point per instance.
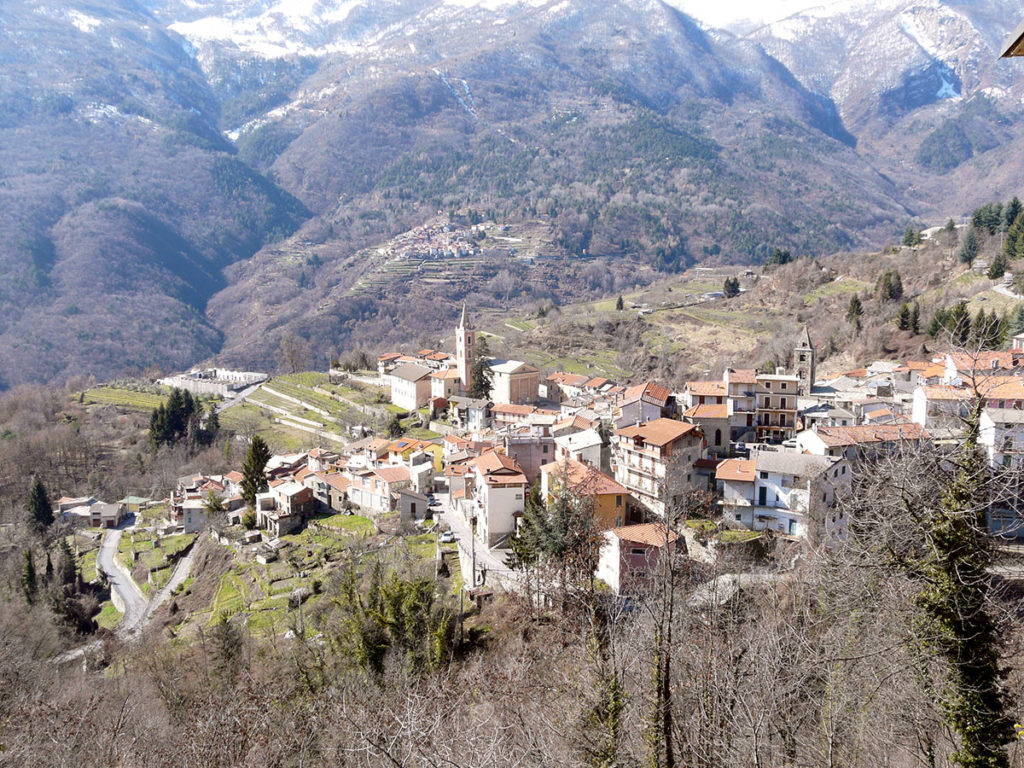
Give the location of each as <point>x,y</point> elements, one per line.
<point>123,398</point>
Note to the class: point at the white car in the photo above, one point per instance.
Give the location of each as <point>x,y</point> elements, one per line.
<point>447,537</point>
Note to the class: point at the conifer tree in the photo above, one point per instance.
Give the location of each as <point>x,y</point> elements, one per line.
<point>49,568</point>
<point>39,507</point>
<point>854,311</point>
<point>968,246</point>
<point>68,568</point>
<point>998,266</point>
<point>1012,212</point>
<point>28,578</point>
<point>915,318</point>
<point>253,478</point>
<point>904,317</point>
<point>480,376</point>
<point>619,303</point>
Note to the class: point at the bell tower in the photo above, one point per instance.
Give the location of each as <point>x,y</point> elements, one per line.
<point>804,360</point>
<point>465,347</point>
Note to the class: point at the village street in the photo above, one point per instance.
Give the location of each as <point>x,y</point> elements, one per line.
<point>491,570</point>
<point>134,601</point>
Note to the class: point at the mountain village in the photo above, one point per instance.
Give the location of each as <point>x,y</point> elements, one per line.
<point>755,454</point>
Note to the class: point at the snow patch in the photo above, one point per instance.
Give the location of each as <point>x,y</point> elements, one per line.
<point>82,22</point>
<point>946,91</point>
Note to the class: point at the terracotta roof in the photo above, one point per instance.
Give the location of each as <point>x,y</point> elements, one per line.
<point>447,374</point>
<point>576,422</point>
<point>649,389</point>
<point>392,474</point>
<point>706,388</point>
<point>652,534</point>
<point>983,361</point>
<point>425,352</point>
<point>742,376</point>
<point>303,473</point>
<point>569,379</point>
<point>597,382</point>
<point>459,494</point>
<point>234,476</point>
<point>584,479</point>
<point>513,409</point>
<point>931,371</point>
<point>866,434</point>
<point>736,470</point>
<point>492,461</point>
<point>708,411</point>
<point>388,356</point>
<point>336,480</point>
<point>439,356</point>
<point>658,432</point>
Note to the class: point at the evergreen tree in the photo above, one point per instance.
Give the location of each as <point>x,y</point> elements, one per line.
<point>1012,212</point>
<point>911,236</point>
<point>49,568</point>
<point>1016,325</point>
<point>958,624</point>
<point>254,479</point>
<point>904,317</point>
<point>854,311</point>
<point>915,318</point>
<point>731,287</point>
<point>779,257</point>
<point>959,324</point>
<point>28,578</point>
<point>481,379</point>
<point>226,642</point>
<point>619,304</point>
<point>68,568</point>
<point>394,426</point>
<point>979,329</point>
<point>968,247</point>
<point>1013,246</point>
<point>998,266</point>
<point>39,507</point>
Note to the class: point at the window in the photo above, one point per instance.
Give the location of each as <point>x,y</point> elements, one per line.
<point>782,385</point>
<point>764,475</point>
<point>718,437</point>
<point>739,516</point>
<point>638,551</point>
<point>519,497</point>
<point>782,403</point>
<point>545,449</point>
<point>618,501</point>
<point>618,521</point>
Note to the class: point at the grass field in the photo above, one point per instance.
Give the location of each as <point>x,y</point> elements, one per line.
<point>123,398</point>
<point>108,617</point>
<point>835,288</point>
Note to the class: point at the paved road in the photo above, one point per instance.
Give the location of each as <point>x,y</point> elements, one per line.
<point>1005,290</point>
<point>490,564</point>
<point>135,602</point>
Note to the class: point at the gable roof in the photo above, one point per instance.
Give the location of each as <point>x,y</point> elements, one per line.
<point>866,434</point>
<point>658,432</point>
<point>410,372</point>
<point>706,388</point>
<point>736,470</point>
<point>742,376</point>
<point>584,479</point>
<point>708,411</point>
<point>651,534</point>
<point>654,392</point>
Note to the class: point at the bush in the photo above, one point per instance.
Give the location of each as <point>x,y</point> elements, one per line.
<point>249,520</point>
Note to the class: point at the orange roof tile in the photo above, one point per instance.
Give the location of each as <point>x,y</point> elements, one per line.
<point>742,376</point>
<point>658,432</point>
<point>708,411</point>
<point>512,409</point>
<point>706,388</point>
<point>584,479</point>
<point>652,534</point>
<point>648,389</point>
<point>866,434</point>
<point>736,470</point>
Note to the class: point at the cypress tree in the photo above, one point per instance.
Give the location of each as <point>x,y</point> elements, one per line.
<point>28,578</point>
<point>481,379</point>
<point>619,303</point>
<point>915,318</point>
<point>854,311</point>
<point>68,568</point>
<point>253,478</point>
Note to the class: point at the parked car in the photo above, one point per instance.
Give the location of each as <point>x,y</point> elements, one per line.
<point>447,537</point>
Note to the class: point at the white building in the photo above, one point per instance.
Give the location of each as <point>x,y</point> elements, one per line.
<point>783,491</point>
<point>643,453</point>
<point>410,386</point>
<point>630,555</point>
<point>498,496</point>
<point>514,382</point>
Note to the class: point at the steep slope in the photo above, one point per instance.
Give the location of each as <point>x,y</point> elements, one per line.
<point>120,202</point>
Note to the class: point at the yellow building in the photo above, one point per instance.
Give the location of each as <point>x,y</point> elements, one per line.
<point>610,498</point>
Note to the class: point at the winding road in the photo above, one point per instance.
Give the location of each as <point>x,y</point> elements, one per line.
<point>131,597</point>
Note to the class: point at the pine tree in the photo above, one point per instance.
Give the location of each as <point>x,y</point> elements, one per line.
<point>619,304</point>
<point>998,266</point>
<point>1013,246</point>
<point>979,329</point>
<point>911,236</point>
<point>904,317</point>
<point>968,246</point>
<point>1017,323</point>
<point>49,568</point>
<point>253,478</point>
<point>39,507</point>
<point>1012,212</point>
<point>28,578</point>
<point>915,318</point>
<point>854,311</point>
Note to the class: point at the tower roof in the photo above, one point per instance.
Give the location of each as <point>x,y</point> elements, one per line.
<point>805,339</point>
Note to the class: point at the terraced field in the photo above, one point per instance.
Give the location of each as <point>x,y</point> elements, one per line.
<point>123,398</point>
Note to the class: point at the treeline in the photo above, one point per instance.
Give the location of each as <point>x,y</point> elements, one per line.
<point>984,331</point>
<point>181,418</point>
<point>989,220</point>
